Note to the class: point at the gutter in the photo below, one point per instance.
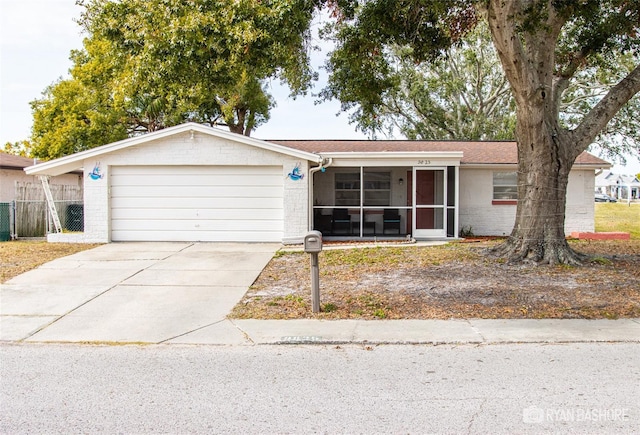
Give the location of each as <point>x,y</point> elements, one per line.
<point>324,164</point>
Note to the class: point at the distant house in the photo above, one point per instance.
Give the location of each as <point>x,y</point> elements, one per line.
<point>12,172</point>
<point>618,186</point>
<point>23,198</point>
<point>196,183</point>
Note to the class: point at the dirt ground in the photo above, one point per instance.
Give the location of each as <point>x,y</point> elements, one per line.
<point>17,257</point>
<point>457,280</point>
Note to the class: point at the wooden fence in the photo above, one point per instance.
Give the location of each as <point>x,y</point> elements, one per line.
<point>32,216</point>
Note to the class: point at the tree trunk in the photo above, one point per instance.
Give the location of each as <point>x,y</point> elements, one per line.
<point>546,152</point>
<point>544,163</point>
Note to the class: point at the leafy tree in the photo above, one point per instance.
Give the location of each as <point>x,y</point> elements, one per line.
<point>21,148</point>
<point>622,134</point>
<point>148,65</point>
<point>543,45</point>
<point>72,118</point>
<point>207,59</point>
<point>461,95</point>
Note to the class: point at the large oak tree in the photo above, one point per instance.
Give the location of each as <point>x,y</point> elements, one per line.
<point>542,45</point>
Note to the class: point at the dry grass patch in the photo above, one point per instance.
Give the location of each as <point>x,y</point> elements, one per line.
<point>451,281</point>
<point>17,257</point>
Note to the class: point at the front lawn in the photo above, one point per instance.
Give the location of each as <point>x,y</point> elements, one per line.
<point>17,257</point>
<point>450,281</point>
<point>618,216</point>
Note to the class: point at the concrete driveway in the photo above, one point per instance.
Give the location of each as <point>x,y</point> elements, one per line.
<point>134,292</point>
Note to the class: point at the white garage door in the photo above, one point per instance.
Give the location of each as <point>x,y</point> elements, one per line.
<point>197,203</point>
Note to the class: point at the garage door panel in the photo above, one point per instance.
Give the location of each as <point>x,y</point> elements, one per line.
<point>201,180</point>
<point>192,225</point>
<point>181,214</point>
<point>189,170</point>
<point>189,203</point>
<point>200,236</point>
<point>198,191</point>
<point>202,203</point>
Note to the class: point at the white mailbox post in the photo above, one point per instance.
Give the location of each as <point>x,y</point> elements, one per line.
<point>313,246</point>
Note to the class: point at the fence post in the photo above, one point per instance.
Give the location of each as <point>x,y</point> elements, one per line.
<point>14,226</point>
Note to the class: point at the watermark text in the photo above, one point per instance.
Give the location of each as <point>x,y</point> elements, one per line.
<point>534,414</point>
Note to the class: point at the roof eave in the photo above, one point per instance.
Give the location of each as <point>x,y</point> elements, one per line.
<point>394,154</point>
<point>75,161</point>
<point>479,165</point>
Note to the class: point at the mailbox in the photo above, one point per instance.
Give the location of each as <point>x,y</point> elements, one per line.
<point>313,242</point>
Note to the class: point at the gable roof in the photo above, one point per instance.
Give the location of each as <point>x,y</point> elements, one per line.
<point>75,161</point>
<point>10,161</point>
<point>474,152</point>
<point>608,178</point>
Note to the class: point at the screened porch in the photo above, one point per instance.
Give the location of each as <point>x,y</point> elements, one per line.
<point>385,202</point>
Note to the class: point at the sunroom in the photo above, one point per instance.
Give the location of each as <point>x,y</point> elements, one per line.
<point>383,196</point>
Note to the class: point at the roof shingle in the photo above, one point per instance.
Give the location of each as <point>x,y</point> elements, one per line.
<point>10,161</point>
<point>474,152</point>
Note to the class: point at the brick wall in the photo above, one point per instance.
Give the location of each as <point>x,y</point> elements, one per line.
<point>182,149</point>
<point>478,213</point>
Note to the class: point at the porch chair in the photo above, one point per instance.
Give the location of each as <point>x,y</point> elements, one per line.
<point>390,220</point>
<point>340,219</point>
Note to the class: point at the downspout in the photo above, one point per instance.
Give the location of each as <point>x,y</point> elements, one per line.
<point>324,164</point>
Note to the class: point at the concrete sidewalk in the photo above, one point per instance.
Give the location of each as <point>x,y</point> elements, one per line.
<point>473,331</point>
<point>181,293</point>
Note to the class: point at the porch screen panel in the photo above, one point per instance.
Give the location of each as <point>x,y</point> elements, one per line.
<point>451,201</point>
<point>430,218</point>
<point>451,216</point>
<point>377,188</point>
<point>434,194</point>
<point>347,189</point>
<point>451,186</point>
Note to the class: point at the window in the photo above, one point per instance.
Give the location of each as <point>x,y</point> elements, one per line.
<point>348,189</point>
<point>377,189</point>
<point>505,186</point>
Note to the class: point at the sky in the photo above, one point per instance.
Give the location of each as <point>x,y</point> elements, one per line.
<point>36,37</point>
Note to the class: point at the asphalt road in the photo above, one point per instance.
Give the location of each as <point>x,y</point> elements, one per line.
<point>515,388</point>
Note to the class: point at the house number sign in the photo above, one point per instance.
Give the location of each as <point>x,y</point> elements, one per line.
<point>424,162</point>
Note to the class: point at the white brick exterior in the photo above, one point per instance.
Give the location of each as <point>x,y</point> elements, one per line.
<point>190,145</point>
<point>478,213</point>
<point>183,149</point>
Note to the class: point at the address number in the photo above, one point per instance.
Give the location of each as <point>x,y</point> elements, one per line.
<point>424,162</point>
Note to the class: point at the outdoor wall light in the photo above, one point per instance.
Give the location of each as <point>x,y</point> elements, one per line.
<point>401,181</point>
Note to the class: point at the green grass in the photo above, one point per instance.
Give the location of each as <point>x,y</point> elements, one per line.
<point>618,217</point>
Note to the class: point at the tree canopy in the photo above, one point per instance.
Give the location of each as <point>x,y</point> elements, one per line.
<point>147,65</point>
<point>543,45</point>
<point>462,94</point>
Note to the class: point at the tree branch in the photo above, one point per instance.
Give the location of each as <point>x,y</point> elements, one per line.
<point>501,16</point>
<point>598,118</point>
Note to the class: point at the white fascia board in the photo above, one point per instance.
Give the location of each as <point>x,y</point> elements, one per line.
<point>389,158</point>
<point>75,161</point>
<point>495,166</point>
<point>514,166</point>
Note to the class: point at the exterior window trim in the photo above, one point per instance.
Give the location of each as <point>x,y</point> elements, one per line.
<point>506,194</point>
